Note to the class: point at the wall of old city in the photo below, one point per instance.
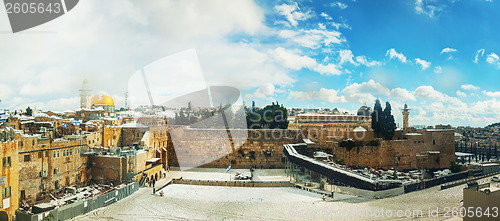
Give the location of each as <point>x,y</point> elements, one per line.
<point>212,147</point>
<point>430,150</point>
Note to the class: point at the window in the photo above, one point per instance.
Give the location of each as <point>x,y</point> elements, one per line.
<point>40,154</point>
<point>57,153</point>
<point>433,142</point>
<point>64,153</point>
<point>6,192</point>
<point>71,152</point>
<point>27,158</point>
<point>33,142</point>
<point>54,154</point>
<point>47,154</point>
<point>6,162</point>
<point>67,167</point>
<point>56,170</point>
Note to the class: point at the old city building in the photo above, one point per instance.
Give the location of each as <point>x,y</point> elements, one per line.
<point>9,178</point>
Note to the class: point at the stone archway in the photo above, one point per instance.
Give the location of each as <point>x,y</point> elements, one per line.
<point>4,216</point>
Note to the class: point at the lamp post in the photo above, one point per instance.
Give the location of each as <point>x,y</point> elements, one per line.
<point>395,174</point>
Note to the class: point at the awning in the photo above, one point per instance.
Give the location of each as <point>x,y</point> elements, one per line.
<point>164,149</point>
<point>152,160</point>
<point>159,151</point>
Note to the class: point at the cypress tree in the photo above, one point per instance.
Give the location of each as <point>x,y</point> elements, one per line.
<point>377,116</point>
<point>29,111</point>
<point>388,124</point>
<point>496,156</point>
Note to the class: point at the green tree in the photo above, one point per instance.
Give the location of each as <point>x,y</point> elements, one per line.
<point>29,111</point>
<point>377,116</point>
<point>388,124</point>
<point>180,118</point>
<point>272,116</point>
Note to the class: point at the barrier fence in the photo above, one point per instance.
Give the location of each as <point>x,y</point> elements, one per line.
<point>438,181</point>
<point>233,183</point>
<point>72,210</point>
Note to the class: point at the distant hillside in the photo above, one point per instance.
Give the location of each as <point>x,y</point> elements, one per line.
<point>494,125</point>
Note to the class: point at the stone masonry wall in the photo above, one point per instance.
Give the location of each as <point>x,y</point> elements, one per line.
<point>212,147</point>
<point>431,150</point>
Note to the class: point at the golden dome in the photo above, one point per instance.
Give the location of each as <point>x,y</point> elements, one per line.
<point>102,99</point>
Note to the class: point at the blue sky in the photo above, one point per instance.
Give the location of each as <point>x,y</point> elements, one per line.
<point>440,57</point>
<point>426,45</point>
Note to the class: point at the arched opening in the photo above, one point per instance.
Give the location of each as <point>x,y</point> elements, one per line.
<point>4,216</point>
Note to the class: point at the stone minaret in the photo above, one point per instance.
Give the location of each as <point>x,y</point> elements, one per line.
<point>85,95</point>
<point>406,112</point>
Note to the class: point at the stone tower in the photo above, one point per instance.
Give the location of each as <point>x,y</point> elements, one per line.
<point>406,112</point>
<point>85,95</point>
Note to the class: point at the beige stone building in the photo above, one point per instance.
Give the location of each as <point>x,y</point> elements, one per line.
<point>9,179</point>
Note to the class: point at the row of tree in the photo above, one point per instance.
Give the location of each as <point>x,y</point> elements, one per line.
<point>383,124</point>
<point>273,116</point>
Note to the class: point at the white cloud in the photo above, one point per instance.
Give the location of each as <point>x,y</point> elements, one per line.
<point>424,64</point>
<point>429,93</point>
<point>364,61</point>
<point>364,92</point>
<point>393,54</point>
<point>326,16</point>
<point>59,104</point>
<point>402,94</point>
<point>338,4</point>
<point>469,87</point>
<point>438,70</point>
<point>493,59</point>
<point>313,38</point>
<point>461,94</point>
<point>292,13</point>
<point>265,90</point>
<point>346,57</point>
<point>479,52</point>
<point>423,7</point>
<point>5,91</point>
<point>51,52</point>
<point>329,95</point>
<point>492,94</point>
<point>448,50</point>
<point>291,59</point>
<point>329,69</point>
